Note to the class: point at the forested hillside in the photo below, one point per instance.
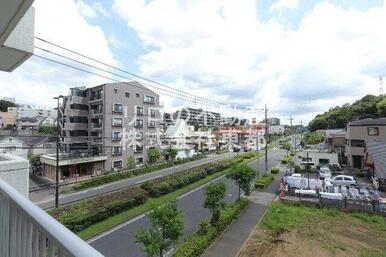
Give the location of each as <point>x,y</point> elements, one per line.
<point>5,104</point>
<point>369,106</point>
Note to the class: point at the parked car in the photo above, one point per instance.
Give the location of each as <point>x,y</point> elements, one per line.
<point>324,172</point>
<point>343,180</point>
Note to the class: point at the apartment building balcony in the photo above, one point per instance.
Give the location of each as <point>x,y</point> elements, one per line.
<point>77,99</point>
<point>75,112</point>
<point>75,126</point>
<point>28,231</point>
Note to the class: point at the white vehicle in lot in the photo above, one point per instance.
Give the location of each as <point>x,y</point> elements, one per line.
<point>343,180</point>
<point>324,172</point>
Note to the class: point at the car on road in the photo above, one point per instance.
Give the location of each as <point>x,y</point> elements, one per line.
<point>344,180</point>
<point>324,172</point>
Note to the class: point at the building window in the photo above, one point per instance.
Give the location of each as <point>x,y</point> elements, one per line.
<point>139,110</point>
<point>96,95</point>
<point>152,113</point>
<point>115,90</point>
<point>151,124</point>
<point>137,95</point>
<point>373,131</point>
<point>117,164</point>
<point>139,160</point>
<point>149,99</point>
<point>357,143</point>
<point>117,135</point>
<point>127,94</point>
<point>117,122</point>
<point>138,148</point>
<point>117,150</point>
<point>118,108</point>
<point>138,123</point>
<point>139,135</point>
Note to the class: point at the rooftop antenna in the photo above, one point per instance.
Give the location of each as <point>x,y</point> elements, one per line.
<point>380,86</point>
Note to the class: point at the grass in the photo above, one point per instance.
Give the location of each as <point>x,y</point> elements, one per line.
<point>296,230</point>
<point>129,214</point>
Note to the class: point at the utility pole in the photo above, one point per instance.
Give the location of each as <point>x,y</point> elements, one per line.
<point>266,138</point>
<point>308,174</point>
<point>257,159</point>
<point>57,153</point>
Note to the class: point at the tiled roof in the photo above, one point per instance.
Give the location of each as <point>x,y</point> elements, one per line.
<point>377,150</point>
<point>367,122</point>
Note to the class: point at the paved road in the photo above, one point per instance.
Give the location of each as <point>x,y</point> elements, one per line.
<point>119,241</point>
<point>45,200</point>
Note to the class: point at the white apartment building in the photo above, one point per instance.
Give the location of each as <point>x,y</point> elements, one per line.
<point>31,112</point>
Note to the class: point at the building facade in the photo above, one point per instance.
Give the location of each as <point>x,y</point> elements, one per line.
<point>358,134</point>
<point>8,119</point>
<point>30,112</point>
<point>107,124</point>
<point>198,117</point>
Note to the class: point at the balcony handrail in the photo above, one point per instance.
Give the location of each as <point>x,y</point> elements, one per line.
<point>35,227</point>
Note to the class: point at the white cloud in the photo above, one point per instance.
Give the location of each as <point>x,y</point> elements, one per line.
<point>85,9</point>
<point>285,4</point>
<point>331,58</point>
<point>37,81</point>
<point>100,9</point>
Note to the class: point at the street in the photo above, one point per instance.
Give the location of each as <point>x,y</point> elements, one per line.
<point>119,241</point>
<point>45,198</point>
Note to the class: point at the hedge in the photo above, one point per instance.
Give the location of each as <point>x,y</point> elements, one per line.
<point>196,243</point>
<point>170,183</point>
<point>97,181</point>
<point>286,159</point>
<point>275,170</point>
<point>79,216</point>
<point>263,181</point>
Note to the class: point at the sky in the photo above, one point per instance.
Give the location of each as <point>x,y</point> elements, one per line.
<point>300,57</point>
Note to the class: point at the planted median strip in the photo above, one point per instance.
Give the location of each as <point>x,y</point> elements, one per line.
<point>91,217</point>
<point>108,178</point>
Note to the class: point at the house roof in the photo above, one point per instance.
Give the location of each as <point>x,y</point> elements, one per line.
<point>369,122</point>
<point>377,150</point>
<point>30,140</point>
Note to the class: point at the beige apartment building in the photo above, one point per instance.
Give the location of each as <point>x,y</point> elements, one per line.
<point>7,119</point>
<point>358,134</point>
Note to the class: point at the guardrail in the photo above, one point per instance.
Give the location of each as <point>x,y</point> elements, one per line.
<point>28,231</point>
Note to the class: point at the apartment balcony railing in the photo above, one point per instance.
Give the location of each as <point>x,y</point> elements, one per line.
<point>28,231</point>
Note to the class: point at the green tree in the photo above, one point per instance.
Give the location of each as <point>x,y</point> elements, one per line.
<point>153,154</point>
<point>167,223</point>
<point>47,130</point>
<point>171,153</point>
<point>214,201</point>
<point>131,162</point>
<point>287,146</point>
<point>381,108</point>
<point>243,175</point>
<point>5,104</point>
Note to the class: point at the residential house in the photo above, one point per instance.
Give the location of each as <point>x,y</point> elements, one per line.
<point>7,119</point>
<point>359,133</point>
<point>276,129</point>
<point>25,146</point>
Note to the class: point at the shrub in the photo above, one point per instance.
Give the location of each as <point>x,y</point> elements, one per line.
<point>108,178</point>
<point>299,169</point>
<point>196,243</point>
<point>286,159</point>
<point>263,181</point>
<point>275,170</point>
<point>79,216</point>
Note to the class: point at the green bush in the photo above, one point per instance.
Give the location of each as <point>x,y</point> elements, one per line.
<point>286,159</point>
<point>81,215</point>
<point>263,181</point>
<point>97,181</point>
<point>299,169</point>
<point>170,183</point>
<point>196,243</point>
<point>275,170</point>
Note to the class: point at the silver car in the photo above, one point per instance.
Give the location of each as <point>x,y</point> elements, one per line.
<point>343,180</point>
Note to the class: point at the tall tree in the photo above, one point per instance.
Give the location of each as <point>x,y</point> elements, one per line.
<point>243,175</point>
<point>214,201</point>
<point>167,223</point>
<point>153,154</point>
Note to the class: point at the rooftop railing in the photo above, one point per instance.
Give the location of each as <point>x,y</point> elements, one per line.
<point>28,231</point>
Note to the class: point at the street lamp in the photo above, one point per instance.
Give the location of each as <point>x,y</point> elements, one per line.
<point>57,153</point>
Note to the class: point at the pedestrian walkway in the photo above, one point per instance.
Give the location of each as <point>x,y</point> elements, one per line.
<point>230,242</point>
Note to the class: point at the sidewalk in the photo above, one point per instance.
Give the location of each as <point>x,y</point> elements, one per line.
<point>229,243</point>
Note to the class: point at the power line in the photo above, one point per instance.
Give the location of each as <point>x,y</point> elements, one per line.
<point>130,73</point>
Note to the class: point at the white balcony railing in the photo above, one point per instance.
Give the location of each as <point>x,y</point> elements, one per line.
<point>28,231</point>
